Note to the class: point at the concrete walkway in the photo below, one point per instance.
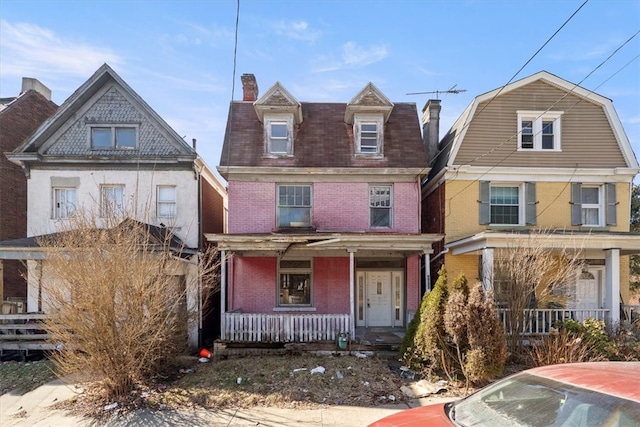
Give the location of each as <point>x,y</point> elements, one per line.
<point>33,409</point>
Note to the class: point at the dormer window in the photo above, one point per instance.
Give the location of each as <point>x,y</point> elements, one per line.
<point>278,135</point>
<point>113,137</point>
<point>368,132</point>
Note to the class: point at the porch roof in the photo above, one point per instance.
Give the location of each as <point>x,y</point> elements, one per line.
<point>628,243</point>
<point>325,244</point>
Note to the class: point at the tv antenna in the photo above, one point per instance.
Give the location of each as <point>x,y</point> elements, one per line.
<point>452,90</point>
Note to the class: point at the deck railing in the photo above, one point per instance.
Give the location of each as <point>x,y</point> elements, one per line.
<point>540,321</point>
<point>23,332</point>
<point>284,328</point>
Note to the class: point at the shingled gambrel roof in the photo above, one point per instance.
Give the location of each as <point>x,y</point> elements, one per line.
<point>323,139</point>
<point>450,144</point>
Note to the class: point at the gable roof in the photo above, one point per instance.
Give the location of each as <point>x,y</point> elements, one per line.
<point>278,100</point>
<point>323,139</point>
<point>451,142</point>
<point>34,149</point>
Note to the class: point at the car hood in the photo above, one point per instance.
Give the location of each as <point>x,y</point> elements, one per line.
<point>431,415</point>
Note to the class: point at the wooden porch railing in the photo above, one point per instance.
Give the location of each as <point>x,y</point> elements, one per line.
<point>540,321</point>
<point>286,327</point>
<point>631,311</point>
<point>23,332</point>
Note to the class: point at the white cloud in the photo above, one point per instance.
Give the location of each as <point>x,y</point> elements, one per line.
<point>354,55</point>
<point>28,49</point>
<point>298,30</point>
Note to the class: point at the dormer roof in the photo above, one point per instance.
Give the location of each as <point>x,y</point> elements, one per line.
<point>278,100</point>
<point>368,101</point>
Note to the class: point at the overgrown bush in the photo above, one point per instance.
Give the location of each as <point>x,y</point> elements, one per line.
<point>590,340</point>
<point>459,333</point>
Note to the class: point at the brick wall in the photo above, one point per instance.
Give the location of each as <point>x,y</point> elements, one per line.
<point>17,122</point>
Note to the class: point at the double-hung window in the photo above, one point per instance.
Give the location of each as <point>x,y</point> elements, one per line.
<point>593,205</point>
<point>278,133</point>
<point>166,201</point>
<point>368,132</point>
<point>295,283</point>
<point>64,202</point>
<point>380,206</point>
<point>539,130</point>
<point>508,204</point>
<point>111,200</point>
<point>294,206</point>
<point>113,137</point>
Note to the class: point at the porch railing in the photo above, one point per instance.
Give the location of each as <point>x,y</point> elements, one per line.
<point>631,311</point>
<point>286,327</point>
<point>23,332</point>
<point>540,321</point>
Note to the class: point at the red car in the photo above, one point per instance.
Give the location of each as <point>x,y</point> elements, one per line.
<point>570,395</point>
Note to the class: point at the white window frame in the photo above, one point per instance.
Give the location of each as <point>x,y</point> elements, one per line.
<point>361,120</point>
<point>269,139</point>
<point>374,201</point>
<point>61,205</point>
<point>113,129</point>
<point>109,206</point>
<point>537,118</point>
<point>301,270</point>
<point>521,202</point>
<point>166,203</point>
<point>302,205</point>
<point>600,206</point>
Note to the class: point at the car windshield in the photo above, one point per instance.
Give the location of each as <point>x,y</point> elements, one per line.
<point>528,400</point>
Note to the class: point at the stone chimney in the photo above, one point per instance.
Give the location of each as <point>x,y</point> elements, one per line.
<point>249,87</point>
<point>29,83</point>
<point>431,127</point>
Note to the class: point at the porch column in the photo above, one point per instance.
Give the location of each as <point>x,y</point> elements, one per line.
<point>427,274</point>
<point>487,268</point>
<point>352,297</point>
<point>612,284</point>
<point>223,291</point>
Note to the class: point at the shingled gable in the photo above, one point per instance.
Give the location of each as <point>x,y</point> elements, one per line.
<point>64,136</point>
<point>323,139</point>
<point>277,100</point>
<point>368,100</point>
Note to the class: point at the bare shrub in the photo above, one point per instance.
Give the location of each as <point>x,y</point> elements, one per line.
<point>528,274</point>
<point>563,346</point>
<point>119,298</point>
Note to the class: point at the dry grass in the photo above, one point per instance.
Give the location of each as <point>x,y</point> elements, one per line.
<point>22,377</point>
<point>282,381</point>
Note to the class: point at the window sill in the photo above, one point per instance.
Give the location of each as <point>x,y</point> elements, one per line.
<point>277,156</point>
<point>294,308</point>
<point>507,227</point>
<point>540,150</point>
<point>593,228</point>
<point>370,155</point>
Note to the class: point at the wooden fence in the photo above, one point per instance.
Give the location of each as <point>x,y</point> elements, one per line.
<point>285,328</point>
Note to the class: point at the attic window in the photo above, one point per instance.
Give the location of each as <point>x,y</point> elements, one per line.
<point>278,134</point>
<point>368,131</point>
<point>113,137</point>
<point>539,130</point>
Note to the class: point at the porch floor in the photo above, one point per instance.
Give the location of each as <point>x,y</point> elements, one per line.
<point>388,338</point>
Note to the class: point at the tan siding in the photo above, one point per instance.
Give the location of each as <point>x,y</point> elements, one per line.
<point>586,139</point>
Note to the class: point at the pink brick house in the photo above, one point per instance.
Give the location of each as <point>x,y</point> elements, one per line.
<point>324,216</point>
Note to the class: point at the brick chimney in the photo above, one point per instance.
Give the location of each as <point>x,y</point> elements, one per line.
<point>249,87</point>
<point>431,127</point>
<point>29,83</point>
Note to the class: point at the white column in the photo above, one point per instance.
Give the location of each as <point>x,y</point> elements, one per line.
<point>352,297</point>
<point>427,274</point>
<point>223,291</point>
<point>487,268</point>
<point>612,284</point>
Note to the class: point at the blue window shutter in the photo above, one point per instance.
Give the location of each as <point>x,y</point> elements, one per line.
<point>530,199</point>
<point>611,210</point>
<point>485,205</point>
<point>576,203</point>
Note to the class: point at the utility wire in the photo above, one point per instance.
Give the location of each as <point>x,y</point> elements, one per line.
<point>516,74</point>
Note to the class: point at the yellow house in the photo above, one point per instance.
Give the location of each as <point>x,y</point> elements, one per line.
<point>538,154</point>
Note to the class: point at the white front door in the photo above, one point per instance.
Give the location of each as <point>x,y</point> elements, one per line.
<point>586,295</point>
<point>379,298</point>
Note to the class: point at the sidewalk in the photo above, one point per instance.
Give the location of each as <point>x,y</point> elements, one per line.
<point>32,409</point>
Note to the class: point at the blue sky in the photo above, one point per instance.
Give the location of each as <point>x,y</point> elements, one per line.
<point>179,55</point>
